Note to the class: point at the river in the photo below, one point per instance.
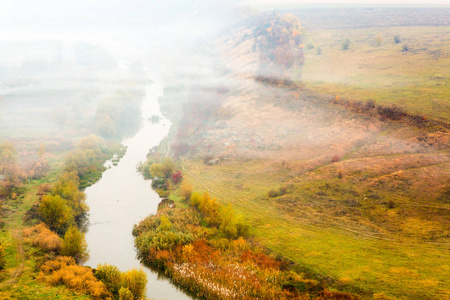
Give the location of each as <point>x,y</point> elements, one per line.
<point>121,198</point>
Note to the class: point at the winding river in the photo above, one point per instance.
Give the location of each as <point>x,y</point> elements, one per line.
<point>121,198</point>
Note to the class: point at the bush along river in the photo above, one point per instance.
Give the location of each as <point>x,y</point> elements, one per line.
<point>121,198</point>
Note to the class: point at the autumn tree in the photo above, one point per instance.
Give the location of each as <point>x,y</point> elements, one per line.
<point>67,188</point>
<point>135,280</point>
<point>74,245</point>
<point>54,211</point>
<point>111,276</point>
<point>167,167</point>
<point>209,207</point>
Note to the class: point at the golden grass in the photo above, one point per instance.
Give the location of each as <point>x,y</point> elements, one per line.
<point>417,80</point>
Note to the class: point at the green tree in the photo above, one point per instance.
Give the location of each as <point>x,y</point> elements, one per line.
<point>111,277</point>
<point>54,211</point>
<point>135,280</point>
<point>67,188</point>
<point>209,207</point>
<point>75,245</point>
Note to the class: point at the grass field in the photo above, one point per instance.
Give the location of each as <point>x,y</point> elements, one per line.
<point>353,249</point>
<point>417,80</point>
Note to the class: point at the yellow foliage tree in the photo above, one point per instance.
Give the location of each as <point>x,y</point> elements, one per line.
<point>54,211</point>
<point>135,280</point>
<point>74,245</point>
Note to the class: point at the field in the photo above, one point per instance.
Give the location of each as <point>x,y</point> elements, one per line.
<point>352,195</point>
<point>417,80</point>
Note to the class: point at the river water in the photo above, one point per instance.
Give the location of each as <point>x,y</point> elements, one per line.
<point>121,198</point>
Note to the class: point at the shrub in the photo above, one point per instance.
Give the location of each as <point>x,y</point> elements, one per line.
<point>74,245</point>
<point>278,192</point>
<point>41,236</point>
<point>379,40</point>
<point>177,177</point>
<point>63,270</point>
<point>345,44</point>
<point>273,193</point>
<point>167,167</point>
<point>397,39</point>
<point>232,226</point>
<point>43,189</point>
<point>186,190</point>
<point>135,281</point>
<point>390,112</point>
<point>156,171</point>
<point>196,198</point>
<point>405,47</point>
<point>370,104</point>
<point>209,207</point>
<point>335,158</point>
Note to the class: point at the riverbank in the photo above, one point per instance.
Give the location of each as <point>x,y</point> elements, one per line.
<point>205,248</point>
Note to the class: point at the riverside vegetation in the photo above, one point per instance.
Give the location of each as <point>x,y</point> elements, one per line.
<point>43,209</point>
<point>205,247</point>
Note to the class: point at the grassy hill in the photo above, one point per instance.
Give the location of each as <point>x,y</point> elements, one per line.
<point>348,193</point>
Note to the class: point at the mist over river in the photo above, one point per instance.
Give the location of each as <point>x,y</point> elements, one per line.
<point>121,198</point>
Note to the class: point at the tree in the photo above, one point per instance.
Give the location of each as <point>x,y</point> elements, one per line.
<point>135,280</point>
<point>8,162</point>
<point>111,277</point>
<point>156,171</point>
<point>54,211</point>
<point>209,207</point>
<point>67,188</point>
<point>345,44</point>
<point>405,47</point>
<point>397,39</point>
<point>379,40</point>
<point>167,167</point>
<point>75,245</point>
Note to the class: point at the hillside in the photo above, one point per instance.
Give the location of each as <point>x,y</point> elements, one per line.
<point>352,189</point>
